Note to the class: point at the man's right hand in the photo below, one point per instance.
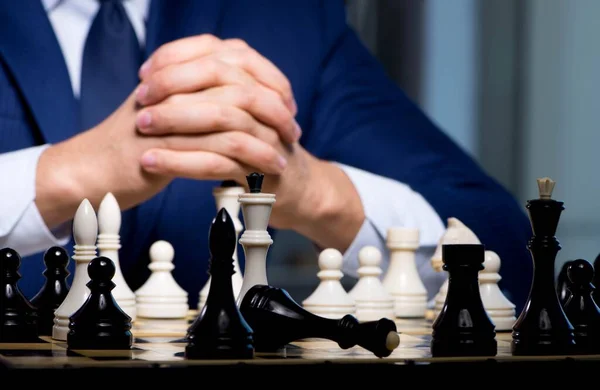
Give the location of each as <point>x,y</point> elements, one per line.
<point>97,161</point>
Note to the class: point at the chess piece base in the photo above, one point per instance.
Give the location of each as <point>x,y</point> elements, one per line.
<point>21,332</point>
<point>503,319</point>
<point>410,307</point>
<point>99,339</point>
<point>60,329</point>
<point>226,349</point>
<point>481,345</point>
<point>162,310</point>
<point>45,322</point>
<point>541,346</point>
<point>373,311</point>
<point>587,342</point>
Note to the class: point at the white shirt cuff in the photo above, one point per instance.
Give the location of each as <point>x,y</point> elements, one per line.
<point>389,203</point>
<point>21,226</point>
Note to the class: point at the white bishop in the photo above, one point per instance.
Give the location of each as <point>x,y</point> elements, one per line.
<point>161,296</point>
<point>330,299</point>
<point>85,232</point>
<point>109,244</point>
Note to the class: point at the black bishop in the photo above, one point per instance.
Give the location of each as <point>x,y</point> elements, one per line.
<point>220,331</point>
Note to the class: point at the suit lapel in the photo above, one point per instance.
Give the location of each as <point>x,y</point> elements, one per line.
<point>32,53</point>
<point>169,20</point>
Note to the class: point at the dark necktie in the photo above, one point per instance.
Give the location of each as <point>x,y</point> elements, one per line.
<point>111,59</point>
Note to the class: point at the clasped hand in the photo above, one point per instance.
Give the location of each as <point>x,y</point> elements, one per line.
<point>221,107</point>
<point>205,109</point>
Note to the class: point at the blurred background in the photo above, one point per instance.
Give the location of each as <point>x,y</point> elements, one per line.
<point>513,82</point>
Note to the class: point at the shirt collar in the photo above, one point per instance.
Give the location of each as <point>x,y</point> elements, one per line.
<point>142,5</point>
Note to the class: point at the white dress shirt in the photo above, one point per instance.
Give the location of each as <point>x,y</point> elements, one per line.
<point>387,203</point>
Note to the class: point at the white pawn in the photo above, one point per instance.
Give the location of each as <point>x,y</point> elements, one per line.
<point>160,296</point>
<point>330,299</point>
<point>109,243</point>
<point>402,279</point>
<point>372,301</point>
<point>500,310</point>
<point>85,232</point>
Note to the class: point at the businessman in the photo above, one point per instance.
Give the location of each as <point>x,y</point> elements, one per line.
<point>159,100</point>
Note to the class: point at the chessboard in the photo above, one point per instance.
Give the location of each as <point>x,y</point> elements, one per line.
<point>158,348</point>
<point>361,333</point>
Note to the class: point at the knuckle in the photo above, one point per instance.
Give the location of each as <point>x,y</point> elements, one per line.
<point>237,43</point>
<point>236,143</point>
<point>282,118</point>
<point>161,55</point>
<point>248,57</point>
<point>208,39</point>
<point>162,83</point>
<point>161,120</point>
<point>167,165</point>
<point>212,68</point>
<point>286,88</point>
<point>269,157</point>
<point>271,137</point>
<point>174,100</point>
<point>210,164</point>
<point>219,116</point>
<point>246,96</point>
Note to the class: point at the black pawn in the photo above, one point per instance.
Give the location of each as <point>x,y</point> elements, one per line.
<point>100,323</point>
<point>54,290</point>
<point>562,284</point>
<point>18,316</point>
<point>220,331</point>
<point>278,320</point>
<point>581,309</point>
<point>463,327</point>
<point>543,327</point>
<point>255,182</point>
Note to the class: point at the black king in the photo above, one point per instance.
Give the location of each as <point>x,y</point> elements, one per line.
<point>543,328</point>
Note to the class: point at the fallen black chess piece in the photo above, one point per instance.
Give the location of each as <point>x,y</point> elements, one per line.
<point>277,320</point>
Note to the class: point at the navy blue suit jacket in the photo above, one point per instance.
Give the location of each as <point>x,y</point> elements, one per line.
<point>349,111</point>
